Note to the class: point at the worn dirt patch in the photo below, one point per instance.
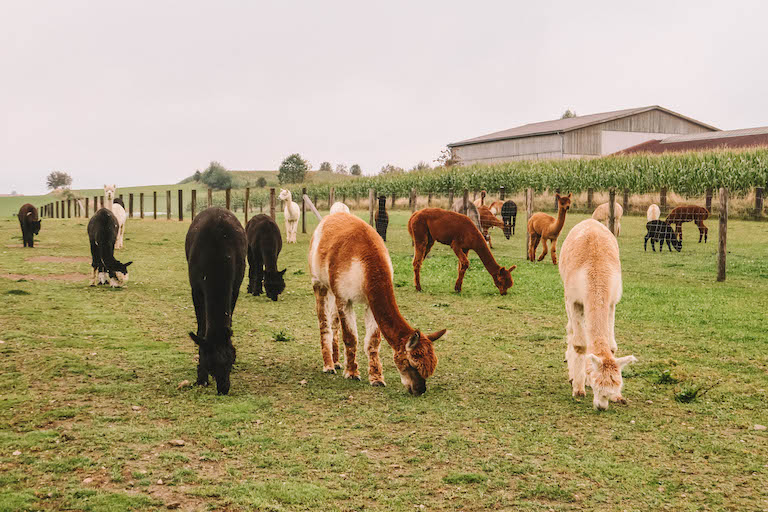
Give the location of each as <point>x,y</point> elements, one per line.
<point>58,259</point>
<point>71,277</point>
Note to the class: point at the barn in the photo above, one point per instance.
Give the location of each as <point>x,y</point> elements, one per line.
<point>588,136</point>
<point>726,139</point>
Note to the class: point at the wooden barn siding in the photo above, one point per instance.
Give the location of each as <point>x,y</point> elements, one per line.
<point>528,148</point>
<point>585,141</point>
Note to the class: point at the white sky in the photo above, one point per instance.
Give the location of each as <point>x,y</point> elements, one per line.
<point>142,93</point>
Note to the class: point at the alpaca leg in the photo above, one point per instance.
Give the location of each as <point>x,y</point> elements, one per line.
<point>463,265</point>
<point>349,330</point>
<point>372,344</point>
<point>535,239</point>
<point>419,253</point>
<point>578,349</point>
<point>324,307</point>
<point>554,251</point>
<point>336,333</point>
<point>544,247</point>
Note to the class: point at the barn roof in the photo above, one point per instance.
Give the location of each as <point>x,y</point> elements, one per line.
<point>743,138</point>
<point>569,124</point>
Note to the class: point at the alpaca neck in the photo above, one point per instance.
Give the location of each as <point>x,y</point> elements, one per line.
<point>560,221</point>
<point>484,253</point>
<point>108,204</point>
<point>381,300</point>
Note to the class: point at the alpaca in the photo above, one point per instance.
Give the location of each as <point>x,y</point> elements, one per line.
<point>339,207</point>
<point>349,263</point>
<point>508,215</point>
<point>591,274</point>
<point>292,213</point>
<point>472,212</point>
<point>116,206</point>
<point>264,245</point>
<point>601,214</point>
<point>102,234</point>
<point>480,201</point>
<point>30,224</point>
<point>450,228</point>
<point>660,231</point>
<point>543,227</point>
<point>495,207</point>
<point>215,248</point>
<point>488,220</point>
<point>381,218</point>
<point>689,213</point>
<point>653,213</point>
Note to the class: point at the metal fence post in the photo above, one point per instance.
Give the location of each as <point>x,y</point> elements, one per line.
<point>303,211</point>
<point>181,204</point>
<point>723,225</point>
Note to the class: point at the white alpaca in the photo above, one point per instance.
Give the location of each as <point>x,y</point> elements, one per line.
<point>591,273</point>
<point>292,213</point>
<point>339,207</point>
<point>601,214</point>
<point>653,213</point>
<point>118,211</point>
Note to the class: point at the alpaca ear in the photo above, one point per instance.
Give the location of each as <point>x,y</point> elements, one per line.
<point>197,339</point>
<point>569,195</point>
<point>624,361</point>
<point>436,335</point>
<point>414,341</point>
<point>595,362</point>
<point>557,195</point>
<point>513,267</point>
<point>282,272</point>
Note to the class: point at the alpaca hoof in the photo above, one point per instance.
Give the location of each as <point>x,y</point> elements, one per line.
<point>328,369</point>
<point>351,376</point>
<point>579,394</point>
<point>620,400</point>
<point>203,383</point>
<point>337,366</point>
<point>418,288</point>
<point>378,383</point>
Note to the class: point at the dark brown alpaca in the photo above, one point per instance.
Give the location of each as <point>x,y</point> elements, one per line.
<point>450,228</point>
<point>545,227</point>
<point>488,220</point>
<point>689,213</point>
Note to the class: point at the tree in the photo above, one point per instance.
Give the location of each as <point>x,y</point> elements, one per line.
<point>568,114</point>
<point>421,166</point>
<point>341,169</point>
<point>391,169</point>
<point>355,170</point>
<point>261,182</point>
<point>326,167</point>
<point>447,158</point>
<point>58,179</point>
<point>197,176</point>
<point>293,169</point>
<point>216,176</point>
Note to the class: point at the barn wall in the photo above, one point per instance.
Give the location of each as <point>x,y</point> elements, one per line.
<point>654,121</point>
<point>528,148</point>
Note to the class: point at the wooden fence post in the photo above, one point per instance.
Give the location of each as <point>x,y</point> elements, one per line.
<point>465,203</point>
<point>723,225</point>
<point>181,204</point>
<point>413,200</point>
<point>121,198</point>
<point>502,193</point>
<point>154,205</point>
<point>130,206</point>
<point>314,200</point>
<point>87,200</point>
<point>193,205</point>
<point>429,199</point>
<point>626,201</point>
<point>450,199</point>
<point>245,203</point>
<point>272,203</point>
<point>95,204</point>
<point>331,197</point>
<point>759,202</point>
<point>709,200</point>
<point>371,203</point>
<point>590,198</point>
<point>168,204</point>
<point>612,210</point>
<point>228,197</point>
<point>393,200</point>
<point>663,199</point>
<point>141,205</point>
<point>344,197</point>
<point>529,214</point>
<point>57,209</point>
<point>210,197</point>
<point>303,210</point>
<point>69,208</point>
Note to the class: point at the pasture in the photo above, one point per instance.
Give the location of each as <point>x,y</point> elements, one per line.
<point>90,411</point>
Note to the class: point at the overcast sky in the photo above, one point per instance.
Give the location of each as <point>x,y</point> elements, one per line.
<point>142,93</point>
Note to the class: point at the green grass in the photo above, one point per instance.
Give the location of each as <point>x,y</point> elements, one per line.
<point>497,428</point>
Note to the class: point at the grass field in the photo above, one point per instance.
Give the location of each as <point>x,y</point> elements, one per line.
<point>89,398</point>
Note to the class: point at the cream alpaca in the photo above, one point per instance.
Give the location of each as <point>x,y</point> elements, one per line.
<point>601,214</point>
<point>653,212</point>
<point>118,211</point>
<point>292,213</point>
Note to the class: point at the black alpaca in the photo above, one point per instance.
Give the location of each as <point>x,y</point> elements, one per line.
<point>102,233</point>
<point>382,218</point>
<point>215,248</point>
<point>30,224</point>
<point>509,216</point>
<point>660,231</point>
<point>264,245</point>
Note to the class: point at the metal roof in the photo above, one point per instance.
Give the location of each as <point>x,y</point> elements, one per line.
<point>569,124</point>
<point>745,138</point>
<point>762,130</point>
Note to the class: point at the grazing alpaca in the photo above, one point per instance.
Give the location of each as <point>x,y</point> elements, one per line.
<point>653,213</point>
<point>660,231</point>
<point>488,220</point>
<point>116,206</point>
<point>591,274</point>
<point>350,263</point>
<point>601,214</point>
<point>495,207</point>
<point>30,224</point>
<point>292,213</point>
<point>480,201</point>
<point>689,213</point>
<point>509,216</point>
<point>543,227</point>
<point>339,207</point>
<point>450,228</point>
<point>102,233</point>
<point>264,245</point>
<point>472,212</point>
<point>215,249</point>
<point>381,218</point>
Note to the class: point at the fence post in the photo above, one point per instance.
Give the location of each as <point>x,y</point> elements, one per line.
<point>331,197</point>
<point>272,203</point>
<point>393,200</point>
<point>557,206</point>
<point>723,225</point>
<point>193,204</point>
<point>429,199</point>
<point>450,199</point>
<point>181,204</point>
<point>590,198</point>
<point>228,197</point>
<point>69,208</point>
<point>154,203</point>
<point>344,197</point>
<point>502,193</point>
<point>210,197</point>
<point>141,205</point>
<point>168,204</point>
<point>86,208</point>
<point>371,201</point>
<point>130,206</point>
<point>612,210</point>
<point>759,202</point>
<point>413,200</point>
<point>121,198</point>
<point>465,202</point>
<point>57,209</point>
<point>303,211</point>
<point>529,214</point>
<point>709,200</point>
<point>663,199</point>
<point>626,201</point>
<point>245,203</point>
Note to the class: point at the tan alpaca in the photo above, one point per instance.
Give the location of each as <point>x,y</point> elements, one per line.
<point>543,227</point>
<point>601,214</point>
<point>591,274</point>
<point>480,201</point>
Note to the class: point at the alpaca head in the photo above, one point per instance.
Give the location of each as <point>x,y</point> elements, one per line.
<point>121,272</point>
<point>34,225</point>
<point>274,284</point>
<point>285,195</point>
<point>418,362</point>
<point>109,192</point>
<point>677,243</point>
<point>217,357</point>
<point>605,378</point>
<point>563,202</point>
<point>503,279</point>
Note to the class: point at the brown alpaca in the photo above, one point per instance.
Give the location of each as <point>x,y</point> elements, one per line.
<point>349,263</point>
<point>543,227</point>
<point>495,207</point>
<point>450,228</point>
<point>488,220</point>
<point>689,213</point>
<point>481,200</point>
